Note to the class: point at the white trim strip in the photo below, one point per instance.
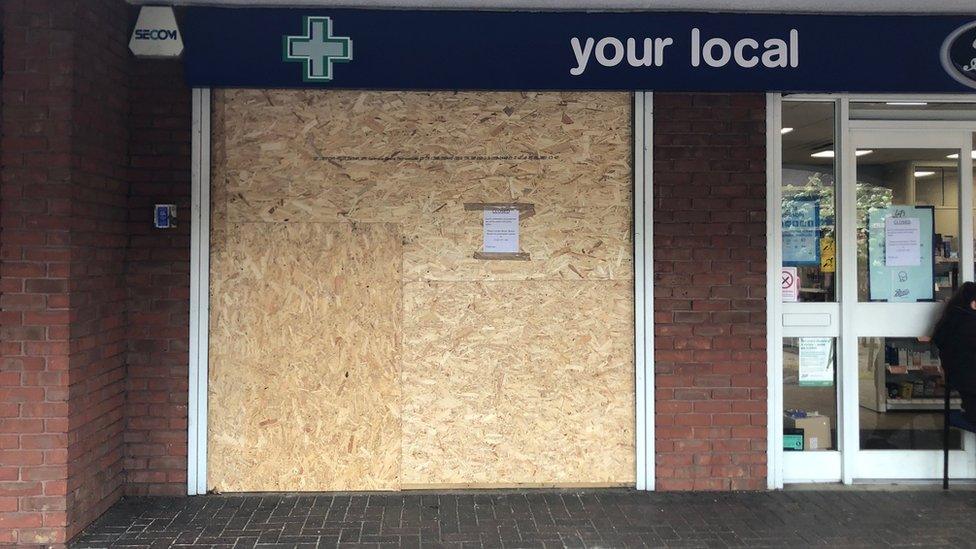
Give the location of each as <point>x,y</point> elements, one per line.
<point>966,209</point>
<point>644,289</point>
<point>647,210</point>
<point>774,357</point>
<point>881,98</point>
<point>196,466</point>
<point>639,347</point>
<point>846,196</point>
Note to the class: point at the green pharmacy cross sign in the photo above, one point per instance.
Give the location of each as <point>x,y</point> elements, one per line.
<point>317,49</point>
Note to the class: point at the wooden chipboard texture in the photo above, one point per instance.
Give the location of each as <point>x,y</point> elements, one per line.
<point>304,355</point>
<point>500,373</point>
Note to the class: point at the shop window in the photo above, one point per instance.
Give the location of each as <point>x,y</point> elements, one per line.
<point>901,392</point>
<point>809,394</point>
<point>809,204</point>
<point>907,225</point>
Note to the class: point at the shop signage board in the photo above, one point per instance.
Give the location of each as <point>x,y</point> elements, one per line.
<point>430,49</point>
<point>900,255</point>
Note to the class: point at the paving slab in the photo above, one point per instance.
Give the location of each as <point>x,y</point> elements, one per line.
<point>852,517</point>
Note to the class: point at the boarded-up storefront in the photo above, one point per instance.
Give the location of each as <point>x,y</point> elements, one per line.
<point>359,340</point>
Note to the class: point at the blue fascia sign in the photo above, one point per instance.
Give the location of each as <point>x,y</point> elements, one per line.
<point>430,50</point>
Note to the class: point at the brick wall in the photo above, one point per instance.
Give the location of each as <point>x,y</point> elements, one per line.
<point>709,291</point>
<point>62,181</point>
<point>96,282</point>
<point>35,178</point>
<point>158,282</point>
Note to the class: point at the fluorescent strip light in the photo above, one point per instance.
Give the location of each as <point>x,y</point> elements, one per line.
<point>785,131</point>
<point>955,156</point>
<point>906,103</point>
<point>830,153</point>
<point>923,173</point>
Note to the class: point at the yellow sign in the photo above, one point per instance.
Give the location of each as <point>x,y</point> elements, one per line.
<point>827,255</point>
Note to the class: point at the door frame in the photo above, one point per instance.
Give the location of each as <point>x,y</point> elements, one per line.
<point>643,235</point>
<point>889,319</point>
<point>844,463</point>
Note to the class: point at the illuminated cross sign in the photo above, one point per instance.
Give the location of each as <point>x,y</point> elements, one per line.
<point>318,49</point>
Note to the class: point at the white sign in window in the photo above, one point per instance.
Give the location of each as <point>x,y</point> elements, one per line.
<point>816,361</point>
<point>903,242</point>
<point>501,231</point>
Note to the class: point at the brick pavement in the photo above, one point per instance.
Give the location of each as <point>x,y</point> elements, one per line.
<point>592,518</point>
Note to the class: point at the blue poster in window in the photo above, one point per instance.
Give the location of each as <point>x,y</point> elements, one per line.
<point>801,232</point>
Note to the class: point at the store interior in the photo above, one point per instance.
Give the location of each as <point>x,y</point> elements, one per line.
<point>901,387</point>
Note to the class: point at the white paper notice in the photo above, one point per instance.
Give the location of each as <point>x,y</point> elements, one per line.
<point>501,231</point>
<point>816,361</point>
<point>903,242</point>
<point>791,284</point>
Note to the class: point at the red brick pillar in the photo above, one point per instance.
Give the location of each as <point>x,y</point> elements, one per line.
<point>709,291</point>
<point>158,282</point>
<point>64,134</point>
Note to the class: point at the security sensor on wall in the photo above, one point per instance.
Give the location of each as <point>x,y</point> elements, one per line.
<point>164,216</point>
<point>955,156</point>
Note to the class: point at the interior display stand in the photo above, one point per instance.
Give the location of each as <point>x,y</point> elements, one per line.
<point>897,365</point>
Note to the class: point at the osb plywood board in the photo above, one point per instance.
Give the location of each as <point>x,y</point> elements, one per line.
<point>551,406</point>
<point>305,358</point>
<point>518,383</point>
<point>416,158</point>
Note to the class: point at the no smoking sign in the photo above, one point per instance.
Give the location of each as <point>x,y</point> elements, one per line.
<point>790,284</point>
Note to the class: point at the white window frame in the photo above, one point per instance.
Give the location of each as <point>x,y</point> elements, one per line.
<point>196,450</point>
<point>774,308</point>
<point>200,291</point>
<point>644,287</point>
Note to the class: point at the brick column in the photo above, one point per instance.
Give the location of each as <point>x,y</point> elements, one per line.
<point>35,184</point>
<point>62,249</point>
<point>99,191</point>
<point>709,291</point>
<point>158,282</point>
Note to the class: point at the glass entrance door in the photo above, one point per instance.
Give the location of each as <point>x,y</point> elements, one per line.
<point>875,233</point>
<point>902,237</point>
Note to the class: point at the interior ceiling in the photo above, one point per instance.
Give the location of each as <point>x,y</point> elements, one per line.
<point>813,131</point>
<point>781,6</point>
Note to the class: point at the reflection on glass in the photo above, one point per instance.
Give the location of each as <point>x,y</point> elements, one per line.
<point>907,225</point>
<point>809,394</point>
<point>808,199</point>
<point>901,392</point>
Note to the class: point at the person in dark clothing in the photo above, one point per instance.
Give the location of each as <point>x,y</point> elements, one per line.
<point>955,336</point>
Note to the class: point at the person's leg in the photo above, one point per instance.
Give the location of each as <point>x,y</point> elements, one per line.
<point>969,406</point>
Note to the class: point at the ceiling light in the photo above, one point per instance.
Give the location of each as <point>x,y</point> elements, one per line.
<point>923,173</point>
<point>829,153</point>
<point>955,156</point>
<point>785,131</point>
<point>906,103</point>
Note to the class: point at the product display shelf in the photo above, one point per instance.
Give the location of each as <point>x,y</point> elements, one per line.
<point>904,363</point>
